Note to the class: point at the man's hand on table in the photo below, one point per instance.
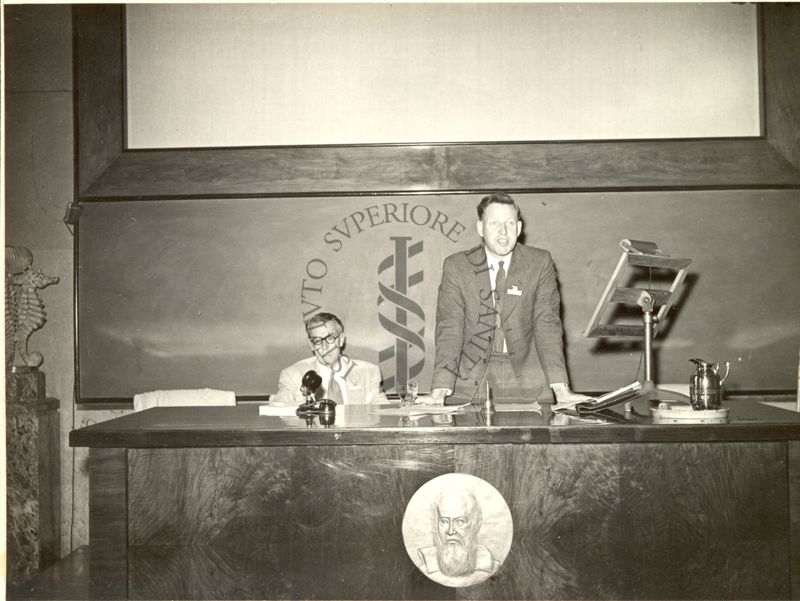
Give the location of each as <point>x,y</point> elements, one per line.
<point>562,393</point>
<point>565,396</point>
<point>437,396</point>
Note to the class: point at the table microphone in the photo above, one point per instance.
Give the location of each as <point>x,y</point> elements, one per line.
<point>311,381</point>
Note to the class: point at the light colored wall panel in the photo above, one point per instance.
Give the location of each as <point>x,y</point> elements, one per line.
<point>241,75</point>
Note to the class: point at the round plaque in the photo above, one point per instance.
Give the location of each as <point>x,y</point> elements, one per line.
<point>457,529</point>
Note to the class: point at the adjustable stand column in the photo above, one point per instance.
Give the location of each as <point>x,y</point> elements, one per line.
<point>649,390</point>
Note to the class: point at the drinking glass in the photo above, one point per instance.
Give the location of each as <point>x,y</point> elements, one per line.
<point>408,392</point>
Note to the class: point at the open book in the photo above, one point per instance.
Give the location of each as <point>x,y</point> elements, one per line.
<point>610,399</point>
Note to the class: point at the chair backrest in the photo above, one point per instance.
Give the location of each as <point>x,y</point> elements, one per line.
<point>183,398</point>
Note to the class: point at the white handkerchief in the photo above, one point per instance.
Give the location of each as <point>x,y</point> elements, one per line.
<point>514,291</point>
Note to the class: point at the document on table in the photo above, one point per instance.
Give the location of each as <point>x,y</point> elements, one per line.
<point>534,406</point>
<point>414,410</point>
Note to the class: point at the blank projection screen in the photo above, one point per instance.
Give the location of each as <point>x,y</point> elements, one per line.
<point>212,293</point>
<point>206,75</point>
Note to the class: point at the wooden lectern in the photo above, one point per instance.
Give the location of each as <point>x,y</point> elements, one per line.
<point>637,254</point>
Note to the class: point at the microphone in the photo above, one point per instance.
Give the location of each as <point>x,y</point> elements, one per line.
<point>310,382</point>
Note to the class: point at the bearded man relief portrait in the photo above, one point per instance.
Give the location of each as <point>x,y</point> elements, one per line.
<point>457,529</point>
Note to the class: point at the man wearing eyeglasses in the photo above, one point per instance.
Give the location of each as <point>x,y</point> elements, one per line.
<point>344,380</point>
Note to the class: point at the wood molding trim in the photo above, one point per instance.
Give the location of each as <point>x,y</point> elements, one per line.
<point>106,171</point>
<point>99,95</point>
<point>636,165</point>
<point>782,78</point>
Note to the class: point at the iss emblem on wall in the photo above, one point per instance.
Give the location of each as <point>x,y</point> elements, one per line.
<point>457,529</point>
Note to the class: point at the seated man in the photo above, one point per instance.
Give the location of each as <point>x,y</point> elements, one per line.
<point>344,380</point>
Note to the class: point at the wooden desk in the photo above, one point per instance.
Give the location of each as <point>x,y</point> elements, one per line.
<point>221,503</point>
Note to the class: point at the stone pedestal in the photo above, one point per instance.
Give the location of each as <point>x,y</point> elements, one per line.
<point>33,475</point>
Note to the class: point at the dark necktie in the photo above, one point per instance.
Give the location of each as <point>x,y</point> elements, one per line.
<point>499,295</point>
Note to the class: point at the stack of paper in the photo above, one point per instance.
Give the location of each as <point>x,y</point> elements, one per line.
<point>416,410</point>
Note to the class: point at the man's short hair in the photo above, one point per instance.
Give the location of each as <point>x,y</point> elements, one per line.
<point>500,198</point>
<point>323,318</point>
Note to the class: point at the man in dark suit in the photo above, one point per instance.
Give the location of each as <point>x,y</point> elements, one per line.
<point>497,317</point>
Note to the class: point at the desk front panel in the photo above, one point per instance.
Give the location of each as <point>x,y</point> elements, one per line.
<point>603,521</point>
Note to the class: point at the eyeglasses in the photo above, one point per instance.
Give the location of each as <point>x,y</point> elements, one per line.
<point>329,339</point>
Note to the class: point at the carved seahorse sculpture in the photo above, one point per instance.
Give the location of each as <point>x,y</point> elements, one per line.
<point>11,319</point>
<point>28,311</point>
<point>18,259</point>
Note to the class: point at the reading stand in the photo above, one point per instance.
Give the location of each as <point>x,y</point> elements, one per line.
<point>640,254</point>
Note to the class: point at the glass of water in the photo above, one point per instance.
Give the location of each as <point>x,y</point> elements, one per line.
<point>408,392</point>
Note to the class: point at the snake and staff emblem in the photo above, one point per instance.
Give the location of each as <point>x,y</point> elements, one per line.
<point>24,309</point>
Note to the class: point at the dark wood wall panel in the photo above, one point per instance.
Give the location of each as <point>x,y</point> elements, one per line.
<point>646,164</point>
<point>264,171</point>
<point>99,91</point>
<point>472,167</point>
<point>782,78</point>
<point>793,451</point>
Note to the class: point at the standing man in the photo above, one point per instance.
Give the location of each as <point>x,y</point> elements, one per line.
<point>344,380</point>
<point>497,317</point>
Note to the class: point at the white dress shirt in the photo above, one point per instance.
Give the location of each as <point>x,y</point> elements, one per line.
<point>494,265</point>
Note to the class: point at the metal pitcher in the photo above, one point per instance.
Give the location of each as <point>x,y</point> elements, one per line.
<point>705,385</point>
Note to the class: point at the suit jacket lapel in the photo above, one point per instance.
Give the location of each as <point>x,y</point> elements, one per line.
<point>480,281</point>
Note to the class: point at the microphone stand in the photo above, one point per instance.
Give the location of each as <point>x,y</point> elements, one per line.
<point>309,404</point>
<point>649,390</point>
